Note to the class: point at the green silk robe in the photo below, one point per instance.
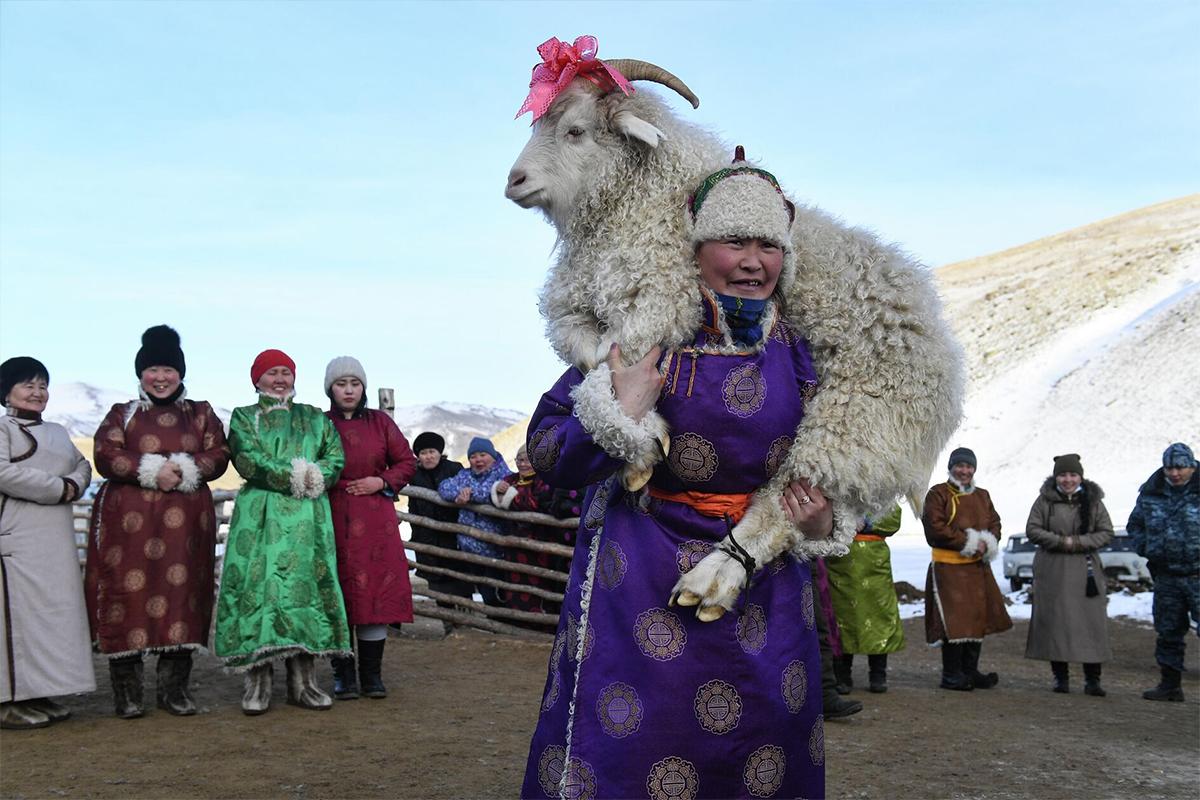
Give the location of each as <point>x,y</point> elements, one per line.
<point>279,586</point>
<point>864,596</point>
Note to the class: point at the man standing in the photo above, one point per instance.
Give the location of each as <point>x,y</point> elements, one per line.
<point>962,601</point>
<point>1165,526</point>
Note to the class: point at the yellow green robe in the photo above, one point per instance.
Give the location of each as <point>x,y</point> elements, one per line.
<point>864,595</point>
<point>279,586</point>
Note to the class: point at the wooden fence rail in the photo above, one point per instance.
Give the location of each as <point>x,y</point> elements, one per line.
<point>439,605</point>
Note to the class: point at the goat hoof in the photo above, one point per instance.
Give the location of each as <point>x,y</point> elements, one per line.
<point>686,598</point>
<point>710,613</point>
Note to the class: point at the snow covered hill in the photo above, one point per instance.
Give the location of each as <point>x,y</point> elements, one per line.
<point>1085,342</point>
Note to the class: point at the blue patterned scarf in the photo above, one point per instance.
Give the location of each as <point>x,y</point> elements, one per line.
<point>744,318</point>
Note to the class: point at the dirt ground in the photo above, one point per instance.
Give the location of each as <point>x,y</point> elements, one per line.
<point>461,710</point>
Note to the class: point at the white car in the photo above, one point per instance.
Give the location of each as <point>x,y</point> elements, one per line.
<point>1121,563</point>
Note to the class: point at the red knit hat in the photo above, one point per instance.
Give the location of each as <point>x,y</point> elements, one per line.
<point>268,359</point>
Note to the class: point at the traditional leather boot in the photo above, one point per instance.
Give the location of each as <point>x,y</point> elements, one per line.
<point>952,668</point>
<point>55,711</point>
<point>126,674</point>
<point>970,659</point>
<point>370,668</point>
<point>302,688</point>
<point>345,681</point>
<point>1062,676</point>
<point>877,664</point>
<point>1168,688</point>
<point>1091,681</point>
<point>257,697</point>
<point>21,716</point>
<point>843,672</point>
<point>171,691</point>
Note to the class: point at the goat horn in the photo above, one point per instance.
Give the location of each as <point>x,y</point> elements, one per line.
<point>635,70</point>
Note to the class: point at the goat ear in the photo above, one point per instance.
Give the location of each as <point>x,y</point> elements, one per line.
<point>633,127</point>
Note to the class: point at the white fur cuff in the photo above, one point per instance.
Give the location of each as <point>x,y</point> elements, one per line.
<point>507,499</point>
<point>993,547</point>
<point>845,526</point>
<point>600,413</point>
<point>190,481</point>
<point>971,548</point>
<point>314,481</point>
<point>299,478</point>
<point>148,468</point>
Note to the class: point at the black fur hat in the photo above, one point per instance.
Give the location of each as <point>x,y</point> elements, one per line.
<point>18,370</point>
<point>160,348</point>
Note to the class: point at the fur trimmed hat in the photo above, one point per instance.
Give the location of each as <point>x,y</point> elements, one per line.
<point>160,348</point>
<point>18,370</point>
<point>1068,463</point>
<point>429,441</point>
<point>344,367</point>
<point>743,201</point>
<point>962,455</point>
<point>1179,455</point>
<point>269,359</point>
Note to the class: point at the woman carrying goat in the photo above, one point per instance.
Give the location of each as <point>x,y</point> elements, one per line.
<point>643,695</point>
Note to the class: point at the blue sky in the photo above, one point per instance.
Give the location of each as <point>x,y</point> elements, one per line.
<point>327,178</point>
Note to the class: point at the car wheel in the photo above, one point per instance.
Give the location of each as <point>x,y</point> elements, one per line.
<point>1015,583</point>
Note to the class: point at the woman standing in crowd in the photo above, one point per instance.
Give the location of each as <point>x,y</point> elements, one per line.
<point>641,697</point>
<point>372,569</point>
<point>279,590</point>
<point>45,651</point>
<point>432,468</point>
<point>865,604</point>
<point>474,485</point>
<point>963,604</point>
<point>153,536</point>
<point>1069,524</point>
<point>523,490</point>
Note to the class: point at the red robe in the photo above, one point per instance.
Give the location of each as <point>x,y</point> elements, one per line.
<point>149,579</point>
<point>372,568</point>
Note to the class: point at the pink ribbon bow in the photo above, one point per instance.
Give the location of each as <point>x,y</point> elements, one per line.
<point>561,63</point>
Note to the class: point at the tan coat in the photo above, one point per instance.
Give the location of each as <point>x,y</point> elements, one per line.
<point>1066,624</point>
<point>962,601</point>
<point>46,651</point>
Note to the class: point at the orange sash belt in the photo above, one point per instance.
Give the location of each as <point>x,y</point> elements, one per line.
<point>867,537</point>
<point>708,503</point>
<point>944,556</point>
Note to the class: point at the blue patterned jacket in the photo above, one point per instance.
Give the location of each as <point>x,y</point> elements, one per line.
<point>1165,525</point>
<point>481,492</point>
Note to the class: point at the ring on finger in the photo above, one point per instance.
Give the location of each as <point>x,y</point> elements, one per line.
<point>805,499</point>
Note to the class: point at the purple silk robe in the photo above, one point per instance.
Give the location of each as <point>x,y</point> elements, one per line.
<point>643,699</point>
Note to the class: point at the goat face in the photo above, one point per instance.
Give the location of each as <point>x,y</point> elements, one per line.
<point>570,145</point>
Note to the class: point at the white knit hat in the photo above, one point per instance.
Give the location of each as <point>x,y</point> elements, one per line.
<point>744,201</point>
<point>344,367</point>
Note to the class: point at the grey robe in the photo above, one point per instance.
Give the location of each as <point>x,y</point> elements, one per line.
<point>1066,624</point>
<point>46,650</point>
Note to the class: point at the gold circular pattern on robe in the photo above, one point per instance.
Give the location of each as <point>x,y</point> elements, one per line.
<point>135,580</point>
<point>167,419</point>
<point>673,778</point>
<point>304,533</point>
<point>244,465</point>
<point>782,333</point>
<point>580,780</point>
<point>286,561</point>
<point>752,629</point>
<point>204,520</point>
<point>550,769</point>
<point>691,553</point>
<point>357,528</point>
<point>693,458</point>
<point>116,614</point>
<point>301,593</point>
<point>121,466</point>
<point>149,495</point>
<point>595,512</point>
<point>816,742</point>
<point>113,555</point>
<point>611,565</point>
<point>177,574</point>
<point>156,607</point>
<point>744,390</point>
<point>273,590</point>
<point>174,517</point>
<point>115,435</point>
<point>178,632</point>
<point>155,548</point>
<point>320,570</point>
<point>137,638</point>
<point>573,624</point>
<point>553,690</point>
<point>244,543</point>
<point>544,449</point>
<point>132,521</point>
<point>188,443</point>
<point>231,579</point>
<point>258,569</point>
<point>659,634</point>
<point>149,443</point>
<point>619,710</point>
<point>776,453</point>
<point>764,770</point>
<point>794,686</point>
<point>718,707</point>
<point>808,606</point>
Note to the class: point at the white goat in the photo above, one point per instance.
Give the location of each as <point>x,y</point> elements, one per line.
<point>612,173</point>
